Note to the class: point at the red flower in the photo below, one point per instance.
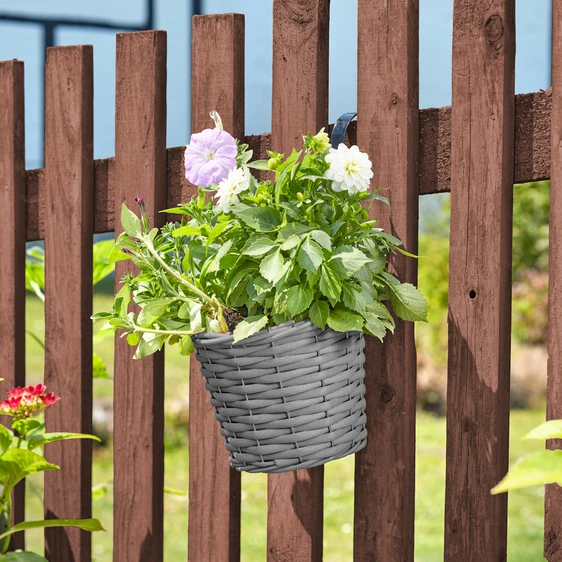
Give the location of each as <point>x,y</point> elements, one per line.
<point>22,403</point>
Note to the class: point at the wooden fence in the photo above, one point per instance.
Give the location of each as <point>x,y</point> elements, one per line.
<point>477,149</point>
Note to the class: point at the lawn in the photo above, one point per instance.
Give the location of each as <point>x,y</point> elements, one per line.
<point>525,506</point>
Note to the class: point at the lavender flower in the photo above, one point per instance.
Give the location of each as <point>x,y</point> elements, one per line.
<point>209,157</point>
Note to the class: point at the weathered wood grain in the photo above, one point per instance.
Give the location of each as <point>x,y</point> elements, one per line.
<point>140,169</point>
<point>482,126</point>
<point>299,105</point>
<point>69,198</point>
<point>214,488</point>
<point>553,492</point>
<point>388,129</point>
<point>12,246</point>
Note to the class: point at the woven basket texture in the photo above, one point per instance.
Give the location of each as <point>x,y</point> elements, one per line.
<point>289,397</point>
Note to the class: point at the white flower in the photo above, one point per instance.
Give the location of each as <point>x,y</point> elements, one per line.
<point>350,169</point>
<point>227,192</point>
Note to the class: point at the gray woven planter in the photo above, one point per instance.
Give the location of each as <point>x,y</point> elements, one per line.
<point>288,397</point>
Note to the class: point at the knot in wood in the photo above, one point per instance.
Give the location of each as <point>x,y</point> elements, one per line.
<point>387,394</point>
<point>493,28</point>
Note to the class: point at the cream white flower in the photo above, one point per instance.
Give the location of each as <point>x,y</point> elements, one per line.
<point>350,169</point>
<point>227,192</point>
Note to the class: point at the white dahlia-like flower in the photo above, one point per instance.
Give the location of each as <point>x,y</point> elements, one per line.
<point>227,192</point>
<point>350,169</point>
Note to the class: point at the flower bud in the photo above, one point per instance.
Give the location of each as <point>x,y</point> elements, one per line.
<point>272,163</point>
<point>300,196</point>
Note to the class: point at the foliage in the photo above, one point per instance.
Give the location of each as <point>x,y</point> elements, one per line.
<point>539,468</point>
<point>35,283</point>
<point>21,454</point>
<point>294,248</point>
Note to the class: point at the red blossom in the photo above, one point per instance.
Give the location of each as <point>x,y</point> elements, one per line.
<point>22,403</point>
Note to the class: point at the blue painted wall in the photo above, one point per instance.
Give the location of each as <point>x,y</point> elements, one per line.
<point>24,41</point>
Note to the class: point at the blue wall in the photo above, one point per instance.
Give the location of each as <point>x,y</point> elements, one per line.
<point>24,41</point>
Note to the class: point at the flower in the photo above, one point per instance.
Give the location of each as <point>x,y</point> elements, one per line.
<point>22,403</point>
<point>209,156</point>
<point>230,187</point>
<point>350,169</point>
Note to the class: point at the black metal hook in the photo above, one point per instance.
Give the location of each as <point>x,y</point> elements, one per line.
<point>340,128</point>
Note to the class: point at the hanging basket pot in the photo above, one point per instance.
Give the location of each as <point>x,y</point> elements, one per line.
<point>289,397</point>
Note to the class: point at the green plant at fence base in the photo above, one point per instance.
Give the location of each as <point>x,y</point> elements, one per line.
<point>299,246</point>
<point>537,469</point>
<point>35,283</point>
<point>21,455</point>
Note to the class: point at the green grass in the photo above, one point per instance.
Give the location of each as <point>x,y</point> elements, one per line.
<point>525,506</point>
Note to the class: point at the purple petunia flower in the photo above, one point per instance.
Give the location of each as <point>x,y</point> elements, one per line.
<point>209,156</point>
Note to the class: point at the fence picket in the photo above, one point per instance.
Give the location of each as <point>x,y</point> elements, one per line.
<point>12,246</point>
<point>299,105</point>
<point>482,126</point>
<point>553,492</point>
<point>387,128</point>
<point>140,169</point>
<point>69,196</point>
<point>214,488</point>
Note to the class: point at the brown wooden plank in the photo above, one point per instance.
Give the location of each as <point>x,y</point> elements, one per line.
<point>140,169</point>
<point>12,247</point>
<point>532,161</point>
<point>553,493</point>
<point>387,130</point>
<point>482,125</point>
<point>214,488</point>
<point>299,105</point>
<point>69,190</point>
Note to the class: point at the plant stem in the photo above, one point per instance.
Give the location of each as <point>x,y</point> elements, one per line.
<point>177,276</point>
<point>138,329</point>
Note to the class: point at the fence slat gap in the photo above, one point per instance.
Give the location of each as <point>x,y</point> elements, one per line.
<point>387,129</point>
<point>553,492</point>
<point>69,185</point>
<point>12,246</point>
<point>214,488</point>
<point>300,56</point>
<point>482,125</point>
<point>140,169</point>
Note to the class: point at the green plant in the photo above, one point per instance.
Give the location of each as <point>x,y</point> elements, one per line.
<point>35,283</point>
<point>539,468</point>
<point>21,454</point>
<point>297,246</point>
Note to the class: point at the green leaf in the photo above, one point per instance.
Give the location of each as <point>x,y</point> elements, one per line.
<point>186,346</point>
<point>348,261</point>
<point>100,490</point>
<point>6,437</point>
<point>292,242</point>
<point>21,556</point>
<point>374,325</point>
<point>310,255</point>
<point>16,464</point>
<point>101,267</point>
<point>217,230</point>
<point>548,430</point>
<point>99,370</point>
<point>322,238</point>
<point>91,525</point>
<point>23,427</point>
<point>271,267</point>
<point>174,491</point>
<point>259,165</point>
<point>299,298</point>
<point>262,219</point>
<point>543,467</point>
<point>342,319</point>
<point>130,222</point>
<point>294,229</point>
<point>187,230</point>
<point>133,339</point>
<point>319,312</point>
<point>354,299</point>
<point>152,310</point>
<point>42,439</point>
<point>149,344</point>
<point>249,326</point>
<point>259,247</point>
<point>330,285</point>
<point>408,302</point>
